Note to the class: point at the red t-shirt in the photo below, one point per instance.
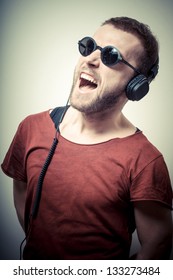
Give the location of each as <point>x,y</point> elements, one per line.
<point>86,203</point>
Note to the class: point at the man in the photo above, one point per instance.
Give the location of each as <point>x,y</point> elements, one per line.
<point>105,178</point>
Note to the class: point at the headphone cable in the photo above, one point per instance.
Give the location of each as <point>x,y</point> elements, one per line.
<point>37,199</point>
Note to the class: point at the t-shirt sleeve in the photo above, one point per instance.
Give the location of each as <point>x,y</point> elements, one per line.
<point>153,183</point>
<point>14,161</point>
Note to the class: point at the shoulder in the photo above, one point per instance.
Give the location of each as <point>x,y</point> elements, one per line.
<point>140,153</point>
<point>138,148</point>
<point>35,120</point>
<point>34,126</point>
<point>141,144</point>
<point>41,116</point>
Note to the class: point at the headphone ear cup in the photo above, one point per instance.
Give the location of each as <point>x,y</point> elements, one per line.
<point>137,88</point>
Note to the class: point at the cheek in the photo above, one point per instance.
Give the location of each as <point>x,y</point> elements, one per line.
<point>113,81</point>
<point>75,74</point>
<point>117,79</point>
<point>80,61</point>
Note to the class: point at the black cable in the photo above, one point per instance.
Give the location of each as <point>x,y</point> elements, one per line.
<point>38,191</point>
<point>37,199</point>
<point>27,234</point>
<point>41,178</point>
<point>46,165</point>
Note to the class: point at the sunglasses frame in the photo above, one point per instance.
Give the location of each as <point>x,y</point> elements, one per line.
<point>96,47</point>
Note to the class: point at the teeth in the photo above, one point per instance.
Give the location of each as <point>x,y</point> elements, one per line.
<point>88,78</point>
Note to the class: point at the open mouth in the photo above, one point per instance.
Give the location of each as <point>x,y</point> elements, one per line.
<point>87,82</point>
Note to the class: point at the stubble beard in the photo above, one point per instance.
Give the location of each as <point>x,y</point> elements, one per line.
<point>98,104</point>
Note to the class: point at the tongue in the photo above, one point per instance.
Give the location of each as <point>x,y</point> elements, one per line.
<point>87,85</point>
<point>90,86</point>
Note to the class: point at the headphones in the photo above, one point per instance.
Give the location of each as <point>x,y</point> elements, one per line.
<point>138,86</point>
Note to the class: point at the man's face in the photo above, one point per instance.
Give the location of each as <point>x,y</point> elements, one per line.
<point>97,87</point>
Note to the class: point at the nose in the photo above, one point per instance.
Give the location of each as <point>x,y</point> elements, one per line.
<point>93,59</point>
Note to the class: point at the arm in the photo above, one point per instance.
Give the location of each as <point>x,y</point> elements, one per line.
<point>154,229</point>
<point>19,195</point>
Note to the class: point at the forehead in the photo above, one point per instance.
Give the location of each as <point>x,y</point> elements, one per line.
<point>128,44</point>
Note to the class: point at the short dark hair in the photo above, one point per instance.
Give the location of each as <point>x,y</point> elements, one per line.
<point>144,34</point>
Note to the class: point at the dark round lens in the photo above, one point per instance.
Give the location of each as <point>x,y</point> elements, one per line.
<point>86,46</point>
<point>110,56</point>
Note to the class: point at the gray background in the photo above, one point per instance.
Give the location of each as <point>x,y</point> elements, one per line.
<point>38,41</point>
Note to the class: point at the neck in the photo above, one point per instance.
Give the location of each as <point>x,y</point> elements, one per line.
<point>95,128</point>
<point>99,122</point>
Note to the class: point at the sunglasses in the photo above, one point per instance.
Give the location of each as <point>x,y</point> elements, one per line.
<point>109,55</point>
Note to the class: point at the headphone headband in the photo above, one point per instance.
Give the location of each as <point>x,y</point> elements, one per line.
<point>153,71</point>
